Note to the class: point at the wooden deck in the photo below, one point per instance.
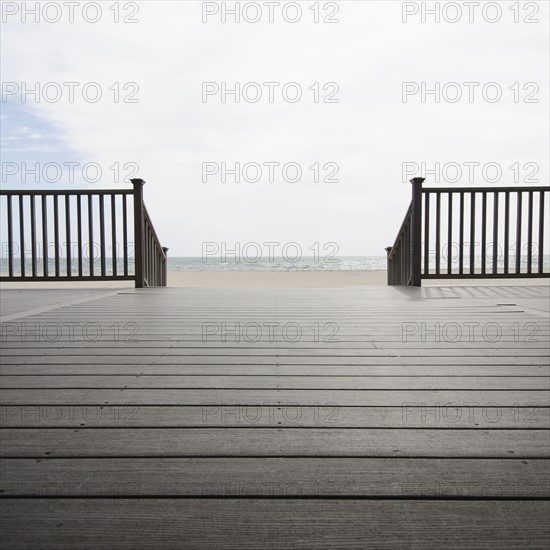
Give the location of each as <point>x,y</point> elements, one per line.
<point>123,428</point>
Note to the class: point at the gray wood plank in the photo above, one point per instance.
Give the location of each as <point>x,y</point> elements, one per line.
<point>418,415</point>
<point>162,442</point>
<point>359,398</point>
<point>133,369</point>
<point>93,359</point>
<point>272,524</point>
<point>279,382</point>
<point>357,339</point>
<point>272,351</point>
<point>276,477</point>
<point>362,344</point>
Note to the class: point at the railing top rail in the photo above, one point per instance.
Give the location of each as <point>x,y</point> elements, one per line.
<point>63,192</point>
<point>513,189</point>
<point>400,232</point>
<point>150,223</point>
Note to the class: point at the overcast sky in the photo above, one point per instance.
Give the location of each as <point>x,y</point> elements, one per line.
<point>360,130</point>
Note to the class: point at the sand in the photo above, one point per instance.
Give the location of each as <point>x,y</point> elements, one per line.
<point>267,279</point>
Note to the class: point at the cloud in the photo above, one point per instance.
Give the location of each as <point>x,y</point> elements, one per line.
<point>369,133</point>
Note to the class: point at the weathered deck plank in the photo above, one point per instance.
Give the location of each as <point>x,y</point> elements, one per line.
<point>258,523</point>
<point>132,369</point>
<point>412,415</point>
<point>160,442</point>
<point>277,382</point>
<point>277,477</point>
<point>357,398</point>
<point>274,359</point>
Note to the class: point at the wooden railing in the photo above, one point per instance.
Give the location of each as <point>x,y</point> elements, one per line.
<point>488,232</point>
<point>399,256</point>
<point>80,235</point>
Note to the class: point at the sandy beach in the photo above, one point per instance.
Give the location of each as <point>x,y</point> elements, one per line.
<point>275,279</point>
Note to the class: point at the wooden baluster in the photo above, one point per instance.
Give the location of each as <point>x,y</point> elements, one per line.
<point>138,231</point>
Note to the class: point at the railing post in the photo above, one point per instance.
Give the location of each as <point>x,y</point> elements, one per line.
<point>389,265</point>
<point>416,233</point>
<point>165,267</point>
<point>138,231</point>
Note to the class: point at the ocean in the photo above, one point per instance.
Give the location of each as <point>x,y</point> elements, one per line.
<point>176,263</point>
<point>342,263</point>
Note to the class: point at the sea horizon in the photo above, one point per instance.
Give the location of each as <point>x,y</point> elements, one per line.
<point>276,263</point>
<point>230,263</point>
